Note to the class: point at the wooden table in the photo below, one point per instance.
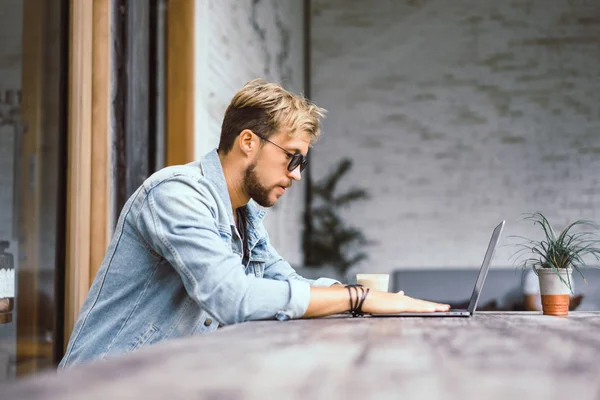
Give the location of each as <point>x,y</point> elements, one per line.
<point>491,356</point>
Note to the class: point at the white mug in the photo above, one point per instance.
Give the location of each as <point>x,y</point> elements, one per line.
<point>379,282</point>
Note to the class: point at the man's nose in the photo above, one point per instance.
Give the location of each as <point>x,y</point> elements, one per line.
<point>295,173</point>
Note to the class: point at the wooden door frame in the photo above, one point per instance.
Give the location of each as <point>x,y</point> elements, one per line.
<point>88,154</point>
<point>29,207</point>
<point>88,216</point>
<point>180,81</point>
<point>41,185</point>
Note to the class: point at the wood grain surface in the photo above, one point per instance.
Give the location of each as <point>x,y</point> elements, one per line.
<point>490,356</point>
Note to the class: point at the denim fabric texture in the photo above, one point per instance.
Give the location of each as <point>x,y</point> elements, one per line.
<point>174,268</point>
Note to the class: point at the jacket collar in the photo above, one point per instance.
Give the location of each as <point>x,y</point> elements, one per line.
<point>213,172</point>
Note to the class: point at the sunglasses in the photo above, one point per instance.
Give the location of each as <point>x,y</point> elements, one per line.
<point>295,159</point>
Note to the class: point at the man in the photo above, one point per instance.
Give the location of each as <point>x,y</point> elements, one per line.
<point>190,254</point>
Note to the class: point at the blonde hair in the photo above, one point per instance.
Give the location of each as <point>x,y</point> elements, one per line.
<point>265,108</point>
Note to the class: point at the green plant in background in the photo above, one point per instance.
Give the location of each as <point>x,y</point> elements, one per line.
<point>561,251</point>
<point>330,241</point>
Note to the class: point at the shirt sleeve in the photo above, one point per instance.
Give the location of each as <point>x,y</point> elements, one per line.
<point>178,220</point>
<point>278,269</point>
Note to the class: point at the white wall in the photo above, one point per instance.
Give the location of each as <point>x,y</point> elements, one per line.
<point>236,41</point>
<point>459,114</point>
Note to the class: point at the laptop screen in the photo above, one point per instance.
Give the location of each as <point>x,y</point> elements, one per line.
<point>484,267</point>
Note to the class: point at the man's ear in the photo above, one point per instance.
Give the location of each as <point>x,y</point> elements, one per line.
<point>246,141</point>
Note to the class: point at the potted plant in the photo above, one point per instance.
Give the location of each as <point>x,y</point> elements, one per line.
<point>554,258</point>
<point>328,241</point>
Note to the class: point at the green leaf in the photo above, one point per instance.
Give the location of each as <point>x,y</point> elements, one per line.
<point>330,240</point>
<point>558,252</point>
<point>350,196</point>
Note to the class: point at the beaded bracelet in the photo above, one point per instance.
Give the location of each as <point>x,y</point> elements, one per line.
<point>357,302</point>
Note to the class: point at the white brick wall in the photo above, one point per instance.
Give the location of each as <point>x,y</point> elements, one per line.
<point>236,41</point>
<point>459,114</point>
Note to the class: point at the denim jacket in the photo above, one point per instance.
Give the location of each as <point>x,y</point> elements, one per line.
<point>174,268</point>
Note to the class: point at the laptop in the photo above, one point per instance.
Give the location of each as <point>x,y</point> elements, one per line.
<point>476,291</point>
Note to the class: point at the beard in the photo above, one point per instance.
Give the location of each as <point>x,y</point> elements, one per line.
<point>254,189</point>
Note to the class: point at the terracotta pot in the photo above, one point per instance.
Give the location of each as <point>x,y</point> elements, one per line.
<point>555,293</point>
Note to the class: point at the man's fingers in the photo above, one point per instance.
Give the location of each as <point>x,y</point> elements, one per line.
<point>426,306</point>
<point>398,302</point>
<point>442,307</point>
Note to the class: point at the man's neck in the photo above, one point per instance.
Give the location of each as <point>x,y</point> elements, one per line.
<point>233,179</point>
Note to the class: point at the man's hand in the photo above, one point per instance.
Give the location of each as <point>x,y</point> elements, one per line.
<point>335,300</point>
<point>389,303</point>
